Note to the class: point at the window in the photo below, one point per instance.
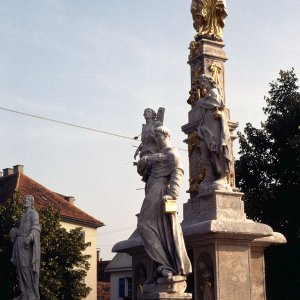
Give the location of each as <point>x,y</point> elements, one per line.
<point>122,287</point>
<point>125,287</point>
<point>82,232</point>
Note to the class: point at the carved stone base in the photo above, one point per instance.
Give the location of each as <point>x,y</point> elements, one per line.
<point>217,205</point>
<point>228,260</point>
<point>166,288</point>
<point>175,284</point>
<point>165,296</point>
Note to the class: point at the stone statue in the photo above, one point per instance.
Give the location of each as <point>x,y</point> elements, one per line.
<point>209,16</point>
<point>153,120</point>
<point>215,142</point>
<point>26,251</point>
<point>207,281</point>
<point>148,145</point>
<point>160,230</point>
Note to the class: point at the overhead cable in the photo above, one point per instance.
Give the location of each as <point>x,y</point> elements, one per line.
<point>74,125</point>
<point>66,123</point>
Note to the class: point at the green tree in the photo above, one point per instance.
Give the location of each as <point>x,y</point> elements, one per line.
<point>268,172</point>
<point>63,263</point>
<point>10,216</point>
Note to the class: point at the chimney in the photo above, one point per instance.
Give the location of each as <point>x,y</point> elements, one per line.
<point>70,199</point>
<point>8,171</point>
<point>18,169</point>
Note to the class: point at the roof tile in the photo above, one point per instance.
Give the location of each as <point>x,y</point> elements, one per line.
<point>43,197</point>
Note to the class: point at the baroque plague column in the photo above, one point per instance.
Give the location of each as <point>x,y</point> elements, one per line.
<point>228,259</point>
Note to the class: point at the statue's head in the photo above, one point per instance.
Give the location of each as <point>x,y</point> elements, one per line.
<point>149,113</point>
<point>162,136</point>
<point>28,201</point>
<point>207,82</point>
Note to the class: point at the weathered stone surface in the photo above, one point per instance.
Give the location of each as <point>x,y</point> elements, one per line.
<point>175,284</point>
<point>217,205</point>
<point>258,290</point>
<point>233,268</point>
<point>228,246</point>
<point>128,246</point>
<point>230,229</point>
<point>275,238</point>
<point>166,296</point>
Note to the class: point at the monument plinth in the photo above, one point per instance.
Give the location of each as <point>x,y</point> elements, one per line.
<point>228,258</point>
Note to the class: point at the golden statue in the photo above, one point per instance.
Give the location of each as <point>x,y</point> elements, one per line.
<point>209,16</point>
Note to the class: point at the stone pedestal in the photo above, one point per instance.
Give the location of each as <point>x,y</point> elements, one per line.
<point>214,206</point>
<point>174,284</point>
<point>227,248</point>
<point>169,288</point>
<point>143,269</point>
<point>207,57</point>
<point>166,296</point>
<point>228,258</point>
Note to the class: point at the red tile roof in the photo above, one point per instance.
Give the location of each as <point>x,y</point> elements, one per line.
<point>43,197</point>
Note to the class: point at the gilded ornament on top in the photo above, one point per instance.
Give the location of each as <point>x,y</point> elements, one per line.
<point>209,17</point>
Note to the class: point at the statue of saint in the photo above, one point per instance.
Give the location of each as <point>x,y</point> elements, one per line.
<point>207,281</point>
<point>160,229</point>
<point>214,137</point>
<point>26,251</point>
<point>209,16</point>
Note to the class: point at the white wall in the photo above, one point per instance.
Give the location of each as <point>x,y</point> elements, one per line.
<point>91,278</point>
<point>114,283</point>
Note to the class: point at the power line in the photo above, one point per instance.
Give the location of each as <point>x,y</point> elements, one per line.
<point>74,125</point>
<point>66,123</point>
<point>116,230</point>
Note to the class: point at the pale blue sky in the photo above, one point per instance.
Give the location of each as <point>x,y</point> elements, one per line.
<point>99,64</point>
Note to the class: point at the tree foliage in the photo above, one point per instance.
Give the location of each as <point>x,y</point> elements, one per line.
<point>63,263</point>
<point>268,172</point>
<point>10,216</point>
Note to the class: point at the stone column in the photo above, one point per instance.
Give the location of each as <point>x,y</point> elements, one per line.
<point>206,57</point>
<point>228,260</point>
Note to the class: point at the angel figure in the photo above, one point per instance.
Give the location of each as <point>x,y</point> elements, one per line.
<point>153,120</point>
